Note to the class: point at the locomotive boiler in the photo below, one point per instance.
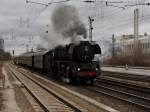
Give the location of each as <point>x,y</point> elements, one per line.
<point>74,62</point>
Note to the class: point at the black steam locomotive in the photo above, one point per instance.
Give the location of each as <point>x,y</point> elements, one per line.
<point>71,63</point>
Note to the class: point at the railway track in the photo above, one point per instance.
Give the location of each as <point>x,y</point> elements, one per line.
<point>132,67</point>
<point>133,77</point>
<point>77,105</point>
<point>49,101</point>
<point>128,93</point>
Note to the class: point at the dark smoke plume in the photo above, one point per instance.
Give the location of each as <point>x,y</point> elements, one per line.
<point>64,27</point>
<point>66,21</point>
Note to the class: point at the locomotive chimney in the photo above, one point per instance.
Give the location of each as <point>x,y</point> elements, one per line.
<point>73,37</point>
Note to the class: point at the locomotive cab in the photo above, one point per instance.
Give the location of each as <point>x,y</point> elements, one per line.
<point>97,49</point>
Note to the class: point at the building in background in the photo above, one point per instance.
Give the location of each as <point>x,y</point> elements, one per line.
<point>127,43</point>
<point>134,50</point>
<point>3,55</point>
<point>1,44</point>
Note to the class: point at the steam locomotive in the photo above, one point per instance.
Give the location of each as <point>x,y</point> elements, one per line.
<point>71,63</point>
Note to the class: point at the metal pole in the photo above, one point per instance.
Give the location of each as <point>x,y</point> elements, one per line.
<point>90,28</point>
<point>113,50</point>
<point>136,27</point>
<point>27,48</point>
<point>136,23</point>
<point>136,34</point>
<point>13,52</point>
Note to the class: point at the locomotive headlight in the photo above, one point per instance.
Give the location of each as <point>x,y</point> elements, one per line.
<point>96,69</point>
<point>78,69</point>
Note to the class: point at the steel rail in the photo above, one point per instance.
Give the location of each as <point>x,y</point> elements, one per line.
<point>29,91</point>
<point>56,96</point>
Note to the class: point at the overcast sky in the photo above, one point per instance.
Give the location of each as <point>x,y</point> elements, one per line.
<point>21,23</point>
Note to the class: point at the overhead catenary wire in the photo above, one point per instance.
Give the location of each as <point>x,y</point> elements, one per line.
<point>35,18</point>
<point>43,9</point>
<point>32,19</point>
<point>115,13</point>
<point>125,3</point>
